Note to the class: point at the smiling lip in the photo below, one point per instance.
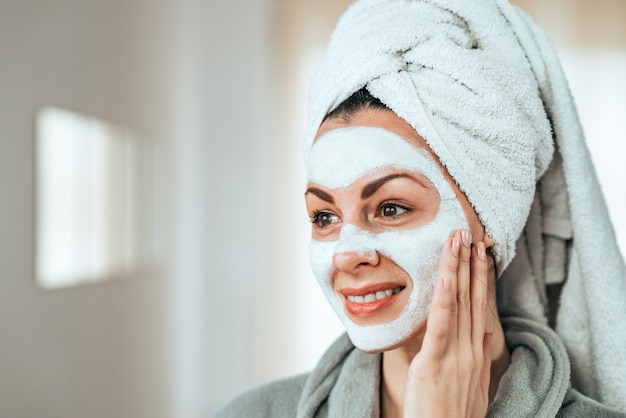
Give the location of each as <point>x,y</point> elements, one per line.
<point>368,300</point>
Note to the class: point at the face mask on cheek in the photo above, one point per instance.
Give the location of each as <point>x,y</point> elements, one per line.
<point>338,159</point>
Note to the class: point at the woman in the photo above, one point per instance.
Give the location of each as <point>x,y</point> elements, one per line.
<point>443,151</point>
<point>381,205</point>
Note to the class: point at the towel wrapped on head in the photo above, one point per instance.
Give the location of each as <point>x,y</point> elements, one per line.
<point>480,82</point>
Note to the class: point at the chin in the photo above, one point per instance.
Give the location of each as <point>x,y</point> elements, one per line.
<point>414,338</point>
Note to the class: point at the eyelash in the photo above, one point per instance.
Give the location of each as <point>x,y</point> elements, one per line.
<point>314,216</point>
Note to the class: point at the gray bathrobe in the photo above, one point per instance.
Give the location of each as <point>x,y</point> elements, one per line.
<point>346,383</point>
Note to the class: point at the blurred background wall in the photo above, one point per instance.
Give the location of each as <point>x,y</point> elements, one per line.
<point>219,89</point>
<point>94,351</point>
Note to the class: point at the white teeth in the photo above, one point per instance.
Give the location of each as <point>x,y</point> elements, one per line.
<point>356,299</point>
<point>371,297</point>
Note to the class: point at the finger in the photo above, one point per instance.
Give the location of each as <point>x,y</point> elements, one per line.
<point>485,375</point>
<point>441,323</point>
<point>479,296</point>
<point>479,340</point>
<point>492,318</point>
<point>464,330</point>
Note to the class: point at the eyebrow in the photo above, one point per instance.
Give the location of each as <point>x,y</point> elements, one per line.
<point>321,194</point>
<point>372,187</point>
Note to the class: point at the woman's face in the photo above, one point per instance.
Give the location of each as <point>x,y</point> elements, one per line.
<point>377,227</point>
<point>388,199</point>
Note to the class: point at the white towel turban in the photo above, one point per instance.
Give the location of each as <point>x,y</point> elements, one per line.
<point>480,82</point>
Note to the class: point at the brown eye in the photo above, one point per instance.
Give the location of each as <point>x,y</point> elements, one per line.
<point>391,210</point>
<point>324,219</point>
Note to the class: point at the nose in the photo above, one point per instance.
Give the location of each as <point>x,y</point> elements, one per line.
<point>351,261</point>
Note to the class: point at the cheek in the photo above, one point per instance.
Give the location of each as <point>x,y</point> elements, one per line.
<point>321,258</point>
<point>415,251</point>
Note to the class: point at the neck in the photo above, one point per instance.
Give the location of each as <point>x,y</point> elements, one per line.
<point>394,375</point>
<point>396,366</point>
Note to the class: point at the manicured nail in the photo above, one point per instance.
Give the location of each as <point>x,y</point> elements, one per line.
<point>480,249</point>
<point>456,245</point>
<point>465,237</point>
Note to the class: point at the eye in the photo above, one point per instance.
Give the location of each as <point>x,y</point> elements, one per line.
<point>392,210</point>
<point>324,219</point>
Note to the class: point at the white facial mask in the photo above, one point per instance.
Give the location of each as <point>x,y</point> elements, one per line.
<point>337,160</point>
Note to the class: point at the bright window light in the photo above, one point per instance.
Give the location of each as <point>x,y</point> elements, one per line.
<point>93,200</point>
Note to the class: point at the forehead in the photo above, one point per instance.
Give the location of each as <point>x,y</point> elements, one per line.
<point>341,156</point>
<point>385,119</point>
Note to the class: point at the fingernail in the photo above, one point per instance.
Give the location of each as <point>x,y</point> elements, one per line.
<point>465,237</point>
<point>456,245</point>
<point>480,249</point>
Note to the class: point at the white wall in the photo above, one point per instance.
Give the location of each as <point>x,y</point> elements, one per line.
<point>101,350</point>
<point>191,76</point>
<point>223,155</point>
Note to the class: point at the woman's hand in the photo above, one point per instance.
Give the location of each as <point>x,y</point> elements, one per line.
<point>450,375</point>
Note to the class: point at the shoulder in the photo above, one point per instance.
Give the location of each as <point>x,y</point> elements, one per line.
<point>274,399</point>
